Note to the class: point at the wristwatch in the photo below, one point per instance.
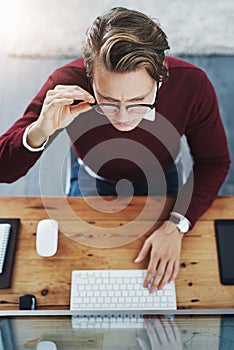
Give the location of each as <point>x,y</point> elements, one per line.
<point>182,223</point>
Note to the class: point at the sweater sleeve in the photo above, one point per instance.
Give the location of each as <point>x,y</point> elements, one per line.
<point>15,159</point>
<point>208,144</point>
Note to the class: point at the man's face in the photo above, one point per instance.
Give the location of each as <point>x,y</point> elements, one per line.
<point>123,89</point>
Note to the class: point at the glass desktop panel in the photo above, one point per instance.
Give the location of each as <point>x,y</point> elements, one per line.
<point>154,332</point>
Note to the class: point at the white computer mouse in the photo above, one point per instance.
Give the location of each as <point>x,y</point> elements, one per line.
<point>47,237</point>
<point>46,345</point>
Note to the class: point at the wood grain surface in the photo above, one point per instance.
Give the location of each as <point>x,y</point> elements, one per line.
<point>84,234</point>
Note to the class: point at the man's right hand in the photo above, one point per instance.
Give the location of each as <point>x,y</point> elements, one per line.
<point>57,112</point>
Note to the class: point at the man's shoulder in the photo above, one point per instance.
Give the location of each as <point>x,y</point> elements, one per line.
<point>184,71</point>
<point>72,73</point>
<point>175,63</point>
<point>77,63</point>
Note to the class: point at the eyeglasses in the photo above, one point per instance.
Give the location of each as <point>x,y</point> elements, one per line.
<point>111,109</point>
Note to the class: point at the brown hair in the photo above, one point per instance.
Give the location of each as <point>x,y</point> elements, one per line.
<point>125,40</point>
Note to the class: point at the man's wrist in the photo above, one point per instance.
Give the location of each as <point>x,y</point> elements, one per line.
<point>29,147</point>
<point>182,223</point>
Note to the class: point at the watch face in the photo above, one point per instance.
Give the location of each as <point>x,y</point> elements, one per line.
<point>183,226</point>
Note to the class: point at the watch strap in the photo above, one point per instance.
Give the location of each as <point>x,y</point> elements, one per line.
<point>174,219</point>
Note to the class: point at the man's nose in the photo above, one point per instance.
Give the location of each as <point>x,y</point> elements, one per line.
<point>122,114</point>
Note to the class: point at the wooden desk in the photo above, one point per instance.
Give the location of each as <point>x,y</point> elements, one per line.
<point>49,279</point>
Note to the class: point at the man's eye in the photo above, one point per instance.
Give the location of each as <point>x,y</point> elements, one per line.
<point>138,100</point>
<point>110,100</point>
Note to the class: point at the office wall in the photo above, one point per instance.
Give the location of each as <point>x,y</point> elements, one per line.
<point>56,29</point>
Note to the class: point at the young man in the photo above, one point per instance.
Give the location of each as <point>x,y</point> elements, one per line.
<point>109,99</point>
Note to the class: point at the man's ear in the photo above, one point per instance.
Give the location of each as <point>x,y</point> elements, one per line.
<point>165,64</point>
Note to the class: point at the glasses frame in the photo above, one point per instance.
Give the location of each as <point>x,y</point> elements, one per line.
<point>151,106</point>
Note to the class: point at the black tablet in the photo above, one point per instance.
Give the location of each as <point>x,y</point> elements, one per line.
<point>224,230</point>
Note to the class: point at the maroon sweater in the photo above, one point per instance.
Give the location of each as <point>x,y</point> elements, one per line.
<point>187,105</point>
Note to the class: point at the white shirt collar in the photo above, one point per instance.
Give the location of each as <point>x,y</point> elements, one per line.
<point>151,115</point>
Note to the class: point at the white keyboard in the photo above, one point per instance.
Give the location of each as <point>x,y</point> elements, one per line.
<point>114,290</point>
<point>108,321</point>
<point>4,237</point>
<point>115,321</point>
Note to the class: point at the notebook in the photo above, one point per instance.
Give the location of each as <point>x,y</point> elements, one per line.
<point>4,238</point>
<point>7,268</point>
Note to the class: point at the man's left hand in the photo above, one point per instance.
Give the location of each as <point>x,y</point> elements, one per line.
<point>164,246</point>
